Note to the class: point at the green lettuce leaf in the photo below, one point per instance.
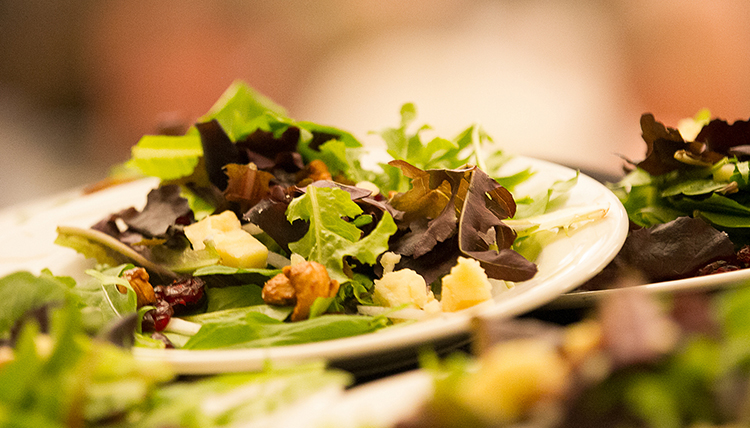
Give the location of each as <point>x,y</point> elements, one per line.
<point>239,106</point>
<point>166,157</point>
<point>23,291</point>
<point>257,330</point>
<point>330,238</point>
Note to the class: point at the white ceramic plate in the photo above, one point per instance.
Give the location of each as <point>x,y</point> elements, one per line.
<point>583,299</point>
<point>563,265</point>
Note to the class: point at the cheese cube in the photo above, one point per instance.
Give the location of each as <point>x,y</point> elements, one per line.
<point>465,286</point>
<point>210,226</point>
<point>240,249</point>
<point>402,286</point>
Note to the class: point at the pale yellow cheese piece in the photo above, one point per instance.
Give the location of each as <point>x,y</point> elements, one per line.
<point>211,226</point>
<point>240,249</point>
<point>466,285</point>
<point>400,287</point>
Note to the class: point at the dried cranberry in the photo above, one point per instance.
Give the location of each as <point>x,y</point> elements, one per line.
<point>157,319</point>
<point>186,292</point>
<point>181,294</point>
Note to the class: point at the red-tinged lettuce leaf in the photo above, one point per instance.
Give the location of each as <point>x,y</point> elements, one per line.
<point>482,234</point>
<point>430,192</point>
<point>676,249</point>
<point>449,213</point>
<point>662,143</point>
<point>434,264</point>
<point>267,214</point>
<point>218,151</point>
<point>721,137</point>
<point>429,208</point>
<point>269,152</point>
<point>246,185</point>
<point>164,208</point>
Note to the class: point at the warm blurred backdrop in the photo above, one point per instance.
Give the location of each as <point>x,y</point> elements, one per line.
<point>82,80</point>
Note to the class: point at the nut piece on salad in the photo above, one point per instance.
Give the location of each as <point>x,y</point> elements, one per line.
<point>308,281</point>
<point>279,291</point>
<point>139,280</point>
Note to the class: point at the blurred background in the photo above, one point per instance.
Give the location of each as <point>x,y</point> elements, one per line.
<point>566,80</point>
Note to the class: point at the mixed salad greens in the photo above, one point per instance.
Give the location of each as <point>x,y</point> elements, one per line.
<point>260,220</point>
<point>688,201</point>
<point>60,376</point>
<point>634,361</point>
<point>263,231</point>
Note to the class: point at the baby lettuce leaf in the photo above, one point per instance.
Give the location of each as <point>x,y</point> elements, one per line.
<point>483,235</point>
<point>437,153</point>
<point>238,106</point>
<point>330,237</point>
<point>22,291</point>
<point>165,156</point>
<point>676,249</point>
<point>238,314</point>
<point>264,398</point>
<point>257,330</point>
<point>238,296</point>
<point>449,213</point>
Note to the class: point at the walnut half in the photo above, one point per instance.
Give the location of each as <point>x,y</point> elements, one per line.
<point>138,279</point>
<point>300,284</point>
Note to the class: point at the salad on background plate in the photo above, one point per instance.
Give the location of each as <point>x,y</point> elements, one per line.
<point>258,237</point>
<point>689,210</point>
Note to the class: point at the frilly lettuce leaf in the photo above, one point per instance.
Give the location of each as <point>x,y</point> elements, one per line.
<point>239,106</point>
<point>330,238</point>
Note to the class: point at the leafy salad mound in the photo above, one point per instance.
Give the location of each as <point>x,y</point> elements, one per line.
<point>268,231</point>
<point>634,361</point>
<point>688,200</point>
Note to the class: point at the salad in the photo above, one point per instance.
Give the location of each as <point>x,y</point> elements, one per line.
<point>266,231</point>
<point>634,361</point>
<point>688,201</point>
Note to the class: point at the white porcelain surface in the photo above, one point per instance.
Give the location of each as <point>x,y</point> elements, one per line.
<point>582,299</point>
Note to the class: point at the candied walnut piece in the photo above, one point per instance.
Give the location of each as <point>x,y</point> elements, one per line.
<point>279,291</point>
<point>300,284</point>
<point>310,281</point>
<point>314,171</point>
<point>138,279</point>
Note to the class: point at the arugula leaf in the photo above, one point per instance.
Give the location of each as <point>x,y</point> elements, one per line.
<point>438,153</point>
<point>330,238</point>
